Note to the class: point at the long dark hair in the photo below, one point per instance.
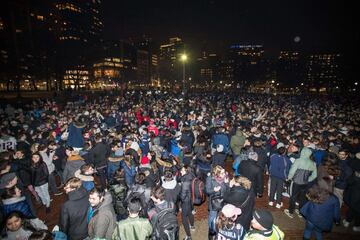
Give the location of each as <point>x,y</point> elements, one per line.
<point>33,164</point>
<point>25,222</point>
<point>222,221</point>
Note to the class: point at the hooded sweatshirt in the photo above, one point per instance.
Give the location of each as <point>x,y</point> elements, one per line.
<point>303,169</point>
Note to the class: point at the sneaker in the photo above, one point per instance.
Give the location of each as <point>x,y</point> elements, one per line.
<point>298,213</point>
<point>346,223</point>
<point>290,215</point>
<point>278,206</point>
<point>271,203</point>
<point>187,238</point>
<point>356,229</point>
<point>193,211</point>
<point>192,228</point>
<point>58,193</point>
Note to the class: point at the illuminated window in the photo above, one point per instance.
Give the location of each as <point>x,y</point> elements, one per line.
<point>39,17</point>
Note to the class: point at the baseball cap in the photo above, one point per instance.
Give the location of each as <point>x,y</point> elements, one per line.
<point>230,211</point>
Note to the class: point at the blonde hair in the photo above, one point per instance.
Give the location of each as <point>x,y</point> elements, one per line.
<point>35,147</point>
<point>217,170</point>
<point>73,183</point>
<point>243,181</point>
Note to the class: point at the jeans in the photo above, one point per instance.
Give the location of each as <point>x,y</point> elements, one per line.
<point>111,168</point>
<point>52,183</point>
<point>276,186</point>
<point>309,228</point>
<point>187,217</point>
<point>43,192</point>
<point>211,221</point>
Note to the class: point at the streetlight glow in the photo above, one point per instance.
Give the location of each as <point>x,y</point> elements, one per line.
<point>183,57</point>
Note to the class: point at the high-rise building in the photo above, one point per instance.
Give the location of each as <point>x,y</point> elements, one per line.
<point>117,67</point>
<point>209,68</point>
<point>323,73</point>
<point>247,62</point>
<point>78,28</point>
<point>147,61</point>
<point>27,45</point>
<point>170,67</point>
<point>290,69</point>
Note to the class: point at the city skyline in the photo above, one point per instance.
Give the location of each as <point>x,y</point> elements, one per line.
<point>212,24</point>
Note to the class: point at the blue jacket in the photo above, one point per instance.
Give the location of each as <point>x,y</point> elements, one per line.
<point>75,138</point>
<point>130,173</point>
<point>16,204</point>
<point>319,156</point>
<point>279,166</point>
<point>221,138</point>
<point>322,215</point>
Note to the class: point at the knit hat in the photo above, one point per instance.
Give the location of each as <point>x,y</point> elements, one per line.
<point>6,178</point>
<point>280,145</point>
<point>264,218</point>
<point>253,156</point>
<point>230,211</point>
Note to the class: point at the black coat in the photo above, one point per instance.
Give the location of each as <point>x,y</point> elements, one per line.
<point>99,154</point>
<point>243,199</point>
<point>39,174</point>
<point>254,173</point>
<point>352,193</point>
<point>73,215</point>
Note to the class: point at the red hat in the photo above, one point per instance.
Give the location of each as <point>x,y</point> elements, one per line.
<point>144,160</point>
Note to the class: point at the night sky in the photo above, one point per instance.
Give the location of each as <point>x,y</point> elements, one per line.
<point>215,24</point>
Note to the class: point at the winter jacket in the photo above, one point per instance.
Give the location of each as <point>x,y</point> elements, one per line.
<point>262,157</point>
<point>188,138</point>
<point>130,173</point>
<point>172,190</point>
<point>254,173</point>
<point>303,170</point>
<point>99,154</point>
<point>16,204</point>
<point>133,229</point>
<point>210,184</point>
<point>39,174</point>
<point>72,165</point>
<point>241,157</point>
<point>323,179</point>
<point>352,193</point>
<point>73,215</point>
<point>221,139</point>
<point>103,221</point>
<point>243,199</point>
<point>185,194</point>
<point>279,166</point>
<point>219,159</point>
<point>345,173</point>
<point>323,214</point>
<point>75,138</point>
<point>237,142</point>
<point>22,169</point>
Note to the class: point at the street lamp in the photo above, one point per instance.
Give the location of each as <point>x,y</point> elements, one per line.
<point>184,59</point>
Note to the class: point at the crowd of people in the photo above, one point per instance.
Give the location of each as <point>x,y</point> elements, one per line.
<point>132,166</point>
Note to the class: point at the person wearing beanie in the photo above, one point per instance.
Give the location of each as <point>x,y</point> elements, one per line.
<point>263,227</point>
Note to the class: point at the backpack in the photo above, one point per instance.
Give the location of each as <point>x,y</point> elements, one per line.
<point>119,193</point>
<point>198,191</point>
<point>166,226</point>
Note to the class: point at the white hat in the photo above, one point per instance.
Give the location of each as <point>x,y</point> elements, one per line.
<point>280,145</point>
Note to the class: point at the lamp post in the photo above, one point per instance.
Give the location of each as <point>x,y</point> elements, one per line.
<point>183,59</point>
